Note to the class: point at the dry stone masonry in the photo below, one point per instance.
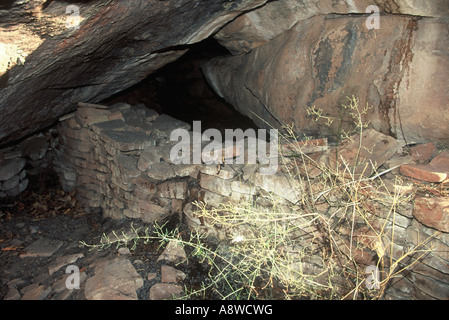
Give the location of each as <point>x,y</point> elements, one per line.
<point>118,160</point>
<point>18,162</point>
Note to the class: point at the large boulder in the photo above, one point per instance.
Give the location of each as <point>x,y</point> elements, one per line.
<point>55,54</point>
<point>400,69</point>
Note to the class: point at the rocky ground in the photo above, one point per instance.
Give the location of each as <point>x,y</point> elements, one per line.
<point>40,237</point>
<point>43,228</point>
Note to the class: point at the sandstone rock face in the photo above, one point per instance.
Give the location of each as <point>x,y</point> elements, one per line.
<point>400,70</point>
<point>252,29</point>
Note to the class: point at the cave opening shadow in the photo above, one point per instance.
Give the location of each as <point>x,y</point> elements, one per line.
<point>180,90</point>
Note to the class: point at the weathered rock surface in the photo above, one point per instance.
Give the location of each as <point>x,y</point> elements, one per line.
<point>116,280</point>
<point>436,171</point>
<point>364,153</point>
<point>432,212</point>
<point>165,291</point>
<point>253,29</point>
<point>322,60</point>
<point>116,45</point>
<point>42,248</point>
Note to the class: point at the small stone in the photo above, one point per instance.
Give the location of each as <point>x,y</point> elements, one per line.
<point>145,184</point>
<point>122,106</point>
<point>184,170</point>
<point>432,212</point>
<point>138,263</point>
<point>226,172</point>
<point>127,165</point>
<point>113,280</point>
<point>151,115</point>
<point>423,152</point>
<point>41,248</point>
<point>63,261</point>
<point>170,274</point>
<point>132,214</point>
<point>89,116</point>
<point>249,170</point>
<point>424,172</point>
<point>397,160</point>
<point>165,124</point>
<point>12,294</point>
<point>83,147</point>
<point>280,185</point>
<point>375,149</point>
<point>151,276</point>
<point>174,253</point>
<point>214,184</point>
<point>173,190</point>
<point>242,187</point>
<point>18,188</point>
<point>116,115</point>
<point>127,140</point>
<point>35,292</point>
<point>161,171</point>
<point>10,183</point>
<point>11,168</point>
<point>148,157</point>
<point>34,148</point>
<point>152,212</point>
<point>114,125</point>
<point>165,291</point>
<point>16,282</point>
<point>124,251</point>
<point>61,285</point>
<point>436,171</point>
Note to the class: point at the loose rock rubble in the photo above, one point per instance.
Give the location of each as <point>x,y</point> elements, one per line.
<point>37,267</point>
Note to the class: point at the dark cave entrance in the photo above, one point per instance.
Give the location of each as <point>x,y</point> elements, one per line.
<point>180,90</point>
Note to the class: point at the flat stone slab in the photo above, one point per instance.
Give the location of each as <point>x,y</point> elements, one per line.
<point>436,171</point>
<point>432,212</point>
<point>365,158</point>
<point>112,125</point>
<point>36,292</point>
<point>63,261</point>
<point>165,124</point>
<point>113,280</point>
<point>127,140</point>
<point>41,248</point>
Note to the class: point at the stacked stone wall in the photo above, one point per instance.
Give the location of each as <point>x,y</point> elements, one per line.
<point>118,159</point>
